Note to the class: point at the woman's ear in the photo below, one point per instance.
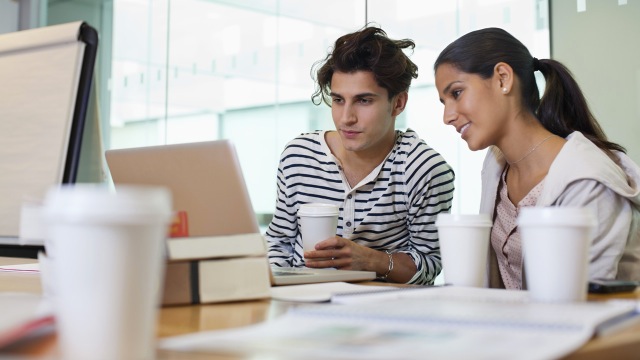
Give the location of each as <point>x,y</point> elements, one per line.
<point>398,103</point>
<point>503,75</point>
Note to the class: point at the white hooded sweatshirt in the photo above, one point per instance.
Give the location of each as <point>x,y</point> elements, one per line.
<point>583,175</point>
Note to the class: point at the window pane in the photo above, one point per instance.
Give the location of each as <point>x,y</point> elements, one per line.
<point>433,27</point>
<point>194,70</point>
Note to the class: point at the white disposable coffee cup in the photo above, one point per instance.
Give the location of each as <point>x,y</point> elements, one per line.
<point>318,222</point>
<point>555,243</point>
<point>108,265</point>
<point>464,244</point>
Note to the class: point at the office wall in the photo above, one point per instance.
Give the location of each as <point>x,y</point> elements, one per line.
<point>600,45</point>
<point>98,14</point>
<point>8,16</point>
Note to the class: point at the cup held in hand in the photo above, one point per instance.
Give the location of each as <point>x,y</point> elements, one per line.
<point>318,222</point>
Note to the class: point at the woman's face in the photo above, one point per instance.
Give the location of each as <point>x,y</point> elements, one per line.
<point>473,105</point>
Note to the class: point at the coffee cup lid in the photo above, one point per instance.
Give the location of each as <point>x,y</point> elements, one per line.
<point>318,209</point>
<point>447,219</point>
<point>556,215</point>
<point>95,202</point>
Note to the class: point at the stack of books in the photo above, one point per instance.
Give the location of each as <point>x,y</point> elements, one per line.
<point>210,269</point>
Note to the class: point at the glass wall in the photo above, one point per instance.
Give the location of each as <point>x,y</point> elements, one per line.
<point>194,70</point>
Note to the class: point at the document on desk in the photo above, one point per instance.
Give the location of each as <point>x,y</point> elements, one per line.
<point>23,268</point>
<point>445,323</point>
<point>23,315</point>
<point>321,292</point>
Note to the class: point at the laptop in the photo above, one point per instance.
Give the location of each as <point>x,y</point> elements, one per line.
<point>209,191</point>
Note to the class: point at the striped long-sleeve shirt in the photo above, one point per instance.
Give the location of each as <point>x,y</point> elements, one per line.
<point>394,208</point>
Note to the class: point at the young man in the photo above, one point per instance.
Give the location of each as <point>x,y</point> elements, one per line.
<point>388,184</point>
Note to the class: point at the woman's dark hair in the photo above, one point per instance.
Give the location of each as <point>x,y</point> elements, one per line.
<point>368,49</point>
<point>562,109</point>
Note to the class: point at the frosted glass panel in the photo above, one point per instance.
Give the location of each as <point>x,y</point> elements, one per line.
<point>193,70</point>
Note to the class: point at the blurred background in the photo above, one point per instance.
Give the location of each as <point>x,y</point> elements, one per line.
<point>174,71</point>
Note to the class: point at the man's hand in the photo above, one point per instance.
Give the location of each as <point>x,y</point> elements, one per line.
<point>340,253</point>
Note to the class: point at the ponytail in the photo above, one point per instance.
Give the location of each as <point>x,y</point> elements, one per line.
<point>564,109</point>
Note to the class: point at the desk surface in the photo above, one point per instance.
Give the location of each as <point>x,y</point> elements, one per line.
<point>187,319</point>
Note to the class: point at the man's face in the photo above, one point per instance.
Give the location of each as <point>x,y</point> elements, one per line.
<point>362,112</point>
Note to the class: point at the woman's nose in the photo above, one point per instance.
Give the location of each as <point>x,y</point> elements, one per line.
<point>449,115</point>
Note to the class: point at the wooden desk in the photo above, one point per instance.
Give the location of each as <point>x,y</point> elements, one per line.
<point>188,319</point>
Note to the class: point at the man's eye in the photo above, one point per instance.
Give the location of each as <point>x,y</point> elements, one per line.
<point>365,101</point>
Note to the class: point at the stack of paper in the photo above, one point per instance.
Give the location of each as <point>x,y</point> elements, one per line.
<point>442,323</point>
<point>23,315</point>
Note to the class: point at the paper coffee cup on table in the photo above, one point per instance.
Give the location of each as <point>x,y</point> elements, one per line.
<point>108,265</point>
<point>318,222</point>
<point>464,244</point>
<point>555,243</point>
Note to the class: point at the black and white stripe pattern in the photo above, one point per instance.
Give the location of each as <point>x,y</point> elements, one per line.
<point>394,208</point>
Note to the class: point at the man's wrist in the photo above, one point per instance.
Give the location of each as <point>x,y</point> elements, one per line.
<point>389,268</point>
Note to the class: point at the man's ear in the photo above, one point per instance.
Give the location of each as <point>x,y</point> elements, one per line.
<point>503,77</point>
<point>398,103</point>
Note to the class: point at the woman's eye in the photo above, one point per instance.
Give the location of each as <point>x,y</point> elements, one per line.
<point>456,93</point>
<point>336,100</point>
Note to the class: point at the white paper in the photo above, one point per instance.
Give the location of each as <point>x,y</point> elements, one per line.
<point>319,292</point>
<point>20,312</point>
<point>447,323</point>
<point>26,268</point>
<point>39,73</point>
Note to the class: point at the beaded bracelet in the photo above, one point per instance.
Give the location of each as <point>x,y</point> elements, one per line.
<point>384,277</point>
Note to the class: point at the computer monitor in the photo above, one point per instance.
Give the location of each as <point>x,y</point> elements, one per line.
<point>45,84</point>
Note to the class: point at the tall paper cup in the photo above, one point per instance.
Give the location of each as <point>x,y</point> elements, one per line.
<point>464,244</point>
<point>108,265</point>
<point>317,222</point>
<point>555,242</point>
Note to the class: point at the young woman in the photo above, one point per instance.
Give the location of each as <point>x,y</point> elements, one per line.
<point>547,151</point>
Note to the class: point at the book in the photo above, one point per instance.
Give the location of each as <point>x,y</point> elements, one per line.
<point>208,247</point>
<point>445,322</point>
<point>216,280</point>
<point>619,323</point>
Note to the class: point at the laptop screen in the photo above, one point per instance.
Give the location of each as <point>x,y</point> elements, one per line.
<point>205,178</point>
<point>209,190</point>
